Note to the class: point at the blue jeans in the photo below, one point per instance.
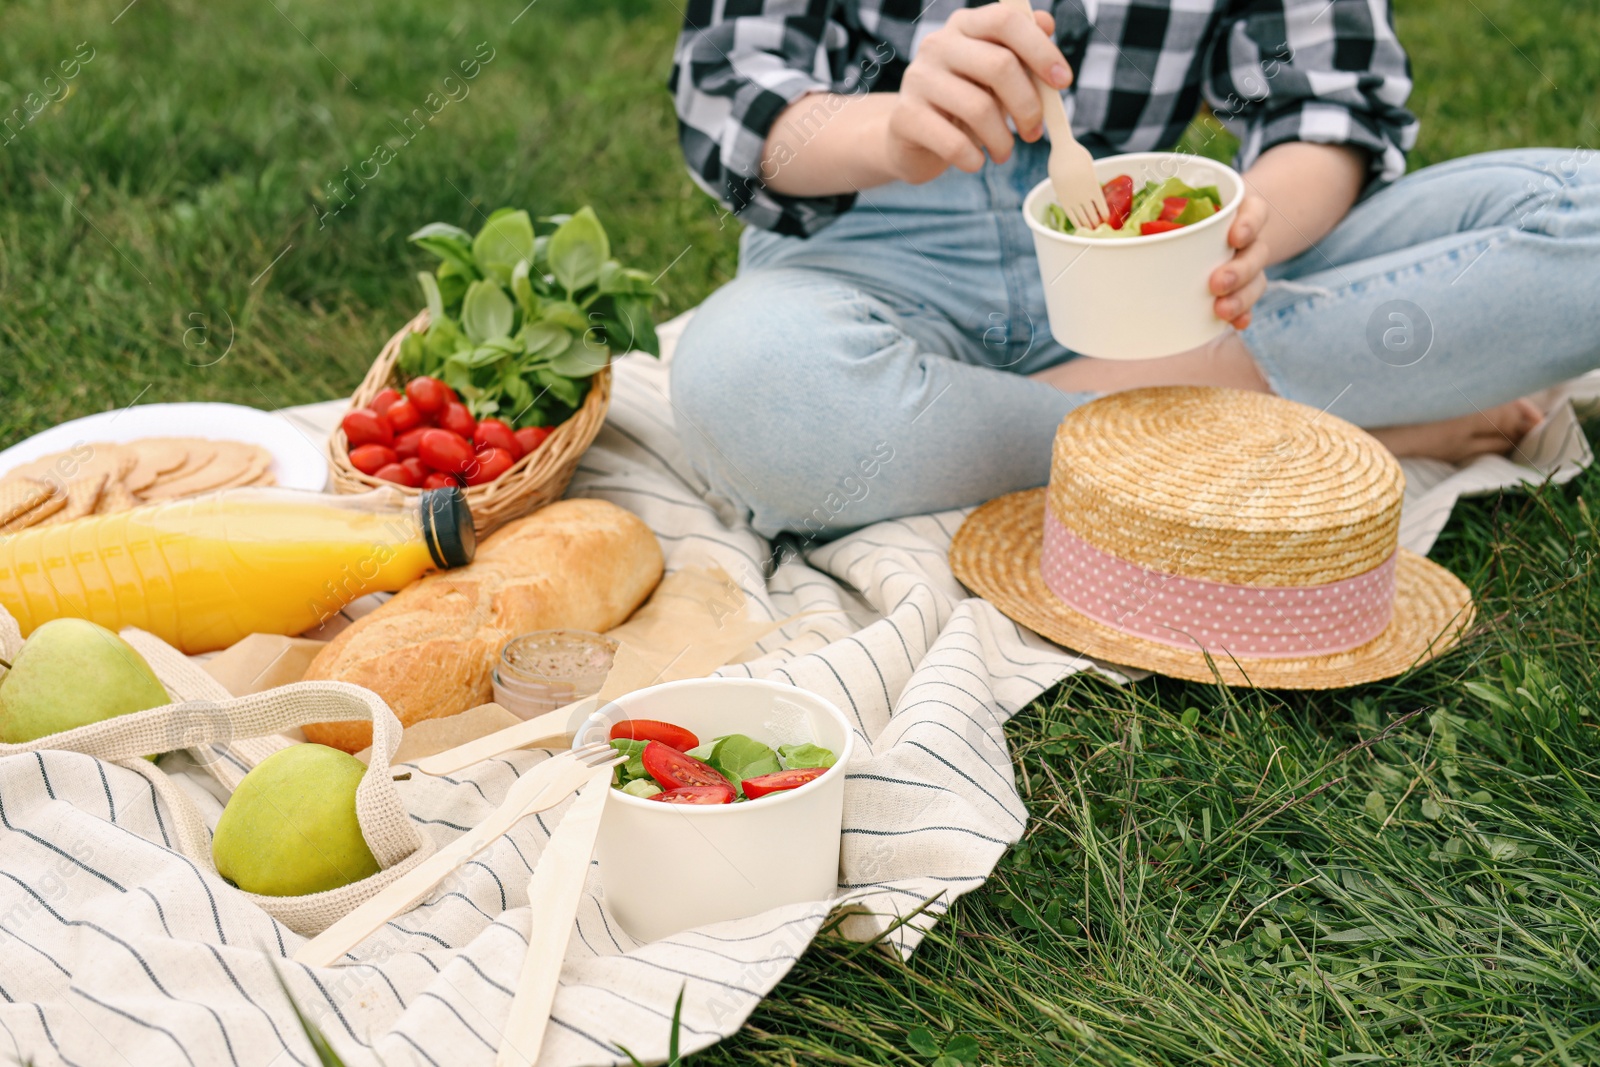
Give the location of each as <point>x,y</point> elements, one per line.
<point>879,368</point>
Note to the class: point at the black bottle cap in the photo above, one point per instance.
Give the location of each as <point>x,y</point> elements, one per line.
<point>447,527</point>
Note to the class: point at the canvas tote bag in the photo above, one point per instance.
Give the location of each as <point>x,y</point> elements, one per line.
<point>228,735</point>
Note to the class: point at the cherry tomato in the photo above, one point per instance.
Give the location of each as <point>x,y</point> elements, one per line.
<point>697,794</point>
<point>418,470</point>
<point>384,400</point>
<point>1172,207</point>
<point>457,419</point>
<point>1158,226</point>
<point>369,459</point>
<point>364,427</point>
<point>398,474</point>
<point>655,730</point>
<point>406,444</point>
<point>492,433</point>
<point>489,464</point>
<point>1119,199</point>
<point>781,780</point>
<point>671,768</point>
<point>430,395</point>
<point>445,451</point>
<point>439,480</point>
<point>531,437</point>
<point>403,415</point>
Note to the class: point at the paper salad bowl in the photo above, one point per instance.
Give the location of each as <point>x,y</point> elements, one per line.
<point>671,867</point>
<point>1138,297</point>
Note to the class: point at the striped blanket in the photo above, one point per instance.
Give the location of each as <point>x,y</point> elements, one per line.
<point>116,950</point>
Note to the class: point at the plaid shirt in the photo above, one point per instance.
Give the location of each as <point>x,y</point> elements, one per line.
<point>1326,71</point>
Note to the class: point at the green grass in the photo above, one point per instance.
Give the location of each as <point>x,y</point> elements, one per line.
<point>1397,873</point>
<point>197,145</point>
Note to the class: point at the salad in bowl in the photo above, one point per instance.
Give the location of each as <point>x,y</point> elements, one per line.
<point>1137,285</point>
<point>730,803</point>
<point>1159,207</point>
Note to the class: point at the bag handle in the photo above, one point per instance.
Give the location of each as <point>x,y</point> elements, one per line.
<point>194,723</point>
<point>231,735</point>
<point>185,680</point>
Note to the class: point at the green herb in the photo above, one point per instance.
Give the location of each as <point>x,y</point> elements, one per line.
<point>1197,208</point>
<point>737,757</point>
<point>1143,195</point>
<point>1057,219</point>
<point>1150,209</point>
<point>633,769</point>
<point>523,314</point>
<point>797,757</point>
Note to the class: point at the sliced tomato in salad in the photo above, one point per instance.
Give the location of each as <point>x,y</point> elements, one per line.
<point>697,794</point>
<point>673,769</point>
<point>1158,226</point>
<point>781,780</point>
<point>654,730</point>
<point>1172,207</point>
<point>1119,199</point>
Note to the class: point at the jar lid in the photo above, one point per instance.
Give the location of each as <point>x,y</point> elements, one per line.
<point>546,657</point>
<point>447,527</point>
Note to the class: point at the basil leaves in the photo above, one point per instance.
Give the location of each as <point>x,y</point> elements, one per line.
<point>524,313</point>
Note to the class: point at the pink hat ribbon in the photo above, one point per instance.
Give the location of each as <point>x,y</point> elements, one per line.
<point>1263,622</point>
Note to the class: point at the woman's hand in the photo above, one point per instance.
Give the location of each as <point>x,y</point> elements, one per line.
<point>1239,283</point>
<point>965,80</point>
<point>1295,195</point>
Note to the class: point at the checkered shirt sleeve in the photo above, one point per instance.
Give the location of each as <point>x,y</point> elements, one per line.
<point>1326,71</point>
<point>739,63</point>
<point>1323,71</point>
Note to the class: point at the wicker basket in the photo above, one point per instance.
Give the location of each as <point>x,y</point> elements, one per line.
<point>535,480</point>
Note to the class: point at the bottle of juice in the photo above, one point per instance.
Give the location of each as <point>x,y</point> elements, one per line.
<point>200,573</point>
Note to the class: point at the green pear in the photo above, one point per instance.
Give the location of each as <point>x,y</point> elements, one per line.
<point>291,828</point>
<point>70,673</point>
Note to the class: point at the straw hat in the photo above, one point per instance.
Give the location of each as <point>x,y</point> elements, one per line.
<point>1182,522</point>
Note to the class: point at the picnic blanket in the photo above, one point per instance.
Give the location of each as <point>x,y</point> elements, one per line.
<point>119,950</point>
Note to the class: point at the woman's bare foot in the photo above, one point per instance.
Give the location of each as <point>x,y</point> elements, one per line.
<point>1495,431</point>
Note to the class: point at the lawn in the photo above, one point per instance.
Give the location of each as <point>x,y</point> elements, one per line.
<point>1398,873</point>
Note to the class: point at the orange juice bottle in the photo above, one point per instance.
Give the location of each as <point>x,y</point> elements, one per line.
<point>202,572</point>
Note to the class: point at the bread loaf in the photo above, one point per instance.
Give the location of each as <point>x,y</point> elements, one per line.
<point>429,651</point>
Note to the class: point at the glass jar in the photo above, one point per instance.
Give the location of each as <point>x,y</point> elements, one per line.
<point>549,669</point>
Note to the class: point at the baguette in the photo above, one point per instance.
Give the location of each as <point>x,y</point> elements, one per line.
<point>430,650</point>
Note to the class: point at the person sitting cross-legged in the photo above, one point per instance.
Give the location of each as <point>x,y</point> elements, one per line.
<point>888,299</point>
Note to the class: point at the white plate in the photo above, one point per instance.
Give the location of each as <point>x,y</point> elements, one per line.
<point>298,460</point>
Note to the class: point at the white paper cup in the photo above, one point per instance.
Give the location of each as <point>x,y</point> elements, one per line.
<point>670,867</point>
<point>1136,297</point>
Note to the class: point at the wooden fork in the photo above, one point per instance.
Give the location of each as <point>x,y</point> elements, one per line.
<point>1071,166</point>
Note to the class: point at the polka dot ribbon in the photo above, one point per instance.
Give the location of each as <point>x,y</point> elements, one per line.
<point>1263,622</point>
